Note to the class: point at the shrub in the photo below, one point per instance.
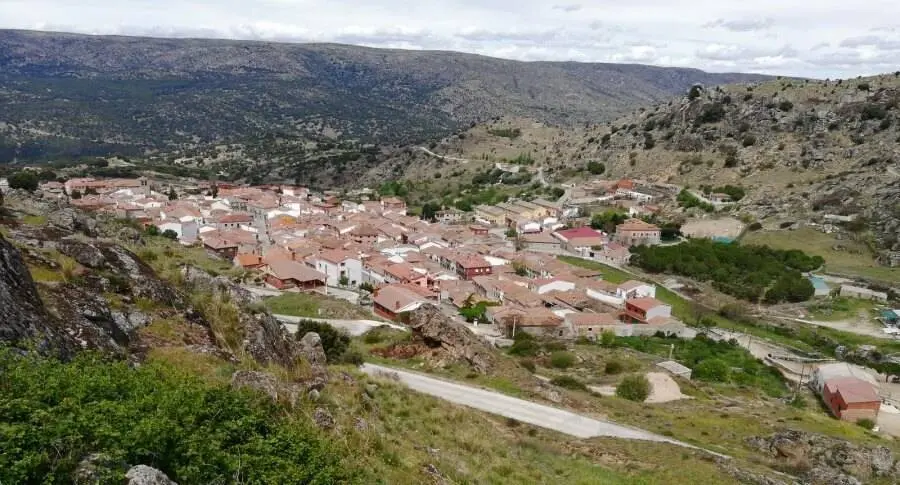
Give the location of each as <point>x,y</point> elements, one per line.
<point>712,113</point>
<point>694,92</point>
<point>748,141</point>
<point>23,179</point>
<point>596,168</point>
<point>866,423</point>
<point>562,359</point>
<point>524,345</point>
<point>863,86</point>
<point>607,338</point>
<point>568,382</point>
<point>156,414</point>
<point>785,106</point>
<point>713,370</point>
<point>755,226</point>
<point>634,387</point>
<point>334,342</point>
<point>613,367</point>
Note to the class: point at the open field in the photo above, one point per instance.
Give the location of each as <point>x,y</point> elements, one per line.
<point>854,260</point>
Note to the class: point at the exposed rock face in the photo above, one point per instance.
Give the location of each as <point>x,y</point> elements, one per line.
<point>71,220</point>
<point>323,418</point>
<point>258,381</point>
<point>202,280</point>
<point>145,475</point>
<point>95,468</point>
<point>437,330</point>
<point>311,349</point>
<point>23,317</point>
<point>142,280</point>
<point>826,460</point>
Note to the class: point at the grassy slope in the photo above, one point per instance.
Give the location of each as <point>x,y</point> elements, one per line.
<point>855,259</point>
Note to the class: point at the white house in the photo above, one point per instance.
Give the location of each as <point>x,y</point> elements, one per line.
<point>541,286</point>
<point>337,264</point>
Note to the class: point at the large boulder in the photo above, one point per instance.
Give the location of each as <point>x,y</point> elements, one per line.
<point>23,318</point>
<point>312,351</point>
<point>71,220</point>
<point>145,475</point>
<point>257,381</point>
<point>201,280</point>
<point>439,331</point>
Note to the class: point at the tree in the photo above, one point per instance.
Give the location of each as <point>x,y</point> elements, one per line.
<point>90,191</point>
<point>169,234</point>
<point>366,286</point>
<point>24,180</point>
<point>596,168</point>
<point>562,360</point>
<point>76,194</point>
<point>429,211</point>
<point>608,338</point>
<point>511,233</point>
<point>172,194</point>
<point>694,93</point>
<point>152,230</point>
<point>634,387</point>
<point>608,220</point>
<point>343,280</point>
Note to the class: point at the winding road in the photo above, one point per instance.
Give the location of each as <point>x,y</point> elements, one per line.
<point>353,327</point>
<point>444,157</point>
<point>525,411</point>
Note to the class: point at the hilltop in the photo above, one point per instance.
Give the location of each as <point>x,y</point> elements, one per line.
<point>79,95</point>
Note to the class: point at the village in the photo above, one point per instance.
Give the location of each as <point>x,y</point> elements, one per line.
<point>495,269</point>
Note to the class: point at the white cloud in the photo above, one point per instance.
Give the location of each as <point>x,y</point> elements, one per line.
<point>830,38</point>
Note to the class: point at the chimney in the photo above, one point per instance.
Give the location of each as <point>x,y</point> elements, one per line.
<point>397,305</point>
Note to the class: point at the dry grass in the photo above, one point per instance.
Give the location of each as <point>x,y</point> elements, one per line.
<point>855,259</point>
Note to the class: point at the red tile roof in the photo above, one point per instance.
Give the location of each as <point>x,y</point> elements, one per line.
<point>852,390</point>
<point>580,232</point>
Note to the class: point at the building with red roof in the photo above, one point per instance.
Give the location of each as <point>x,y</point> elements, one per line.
<point>851,399</point>
<point>646,310</point>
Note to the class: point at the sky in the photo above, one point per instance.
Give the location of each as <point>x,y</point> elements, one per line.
<point>810,38</point>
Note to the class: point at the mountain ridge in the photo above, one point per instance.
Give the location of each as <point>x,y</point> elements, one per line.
<point>132,94</point>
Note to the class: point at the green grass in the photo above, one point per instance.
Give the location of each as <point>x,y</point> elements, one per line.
<point>294,304</point>
<point>855,260</point>
<point>841,309</point>
<point>34,220</point>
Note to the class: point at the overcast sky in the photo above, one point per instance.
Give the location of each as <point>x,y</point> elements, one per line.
<point>815,38</point>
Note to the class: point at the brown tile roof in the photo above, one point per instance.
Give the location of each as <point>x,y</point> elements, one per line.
<point>336,256</point>
<point>292,270</point>
<point>636,225</point>
<point>592,319</point>
<point>645,304</point>
<point>853,390</point>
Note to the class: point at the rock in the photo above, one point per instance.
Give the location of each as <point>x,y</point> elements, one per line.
<point>311,350</point>
<point>258,381</point>
<point>145,475</point>
<point>370,390</point>
<point>360,424</point>
<point>827,460</point>
<point>313,395</point>
<point>96,468</point>
<point>72,220</point>
<point>268,342</point>
<point>23,317</point>
<point>439,331</point>
<point>202,280</point>
<point>323,418</point>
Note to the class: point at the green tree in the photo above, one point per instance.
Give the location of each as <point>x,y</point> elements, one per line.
<point>23,180</point>
<point>169,234</point>
<point>343,280</point>
<point>511,233</point>
<point>596,168</point>
<point>608,338</point>
<point>634,387</point>
<point>562,359</point>
<point>76,194</point>
<point>335,342</point>
<point>608,220</point>
<point>694,92</point>
<point>172,194</point>
<point>429,211</point>
<point>152,230</point>
<point>714,370</point>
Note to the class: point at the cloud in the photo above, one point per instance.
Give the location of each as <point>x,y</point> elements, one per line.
<point>744,25</point>
<point>875,41</point>
<point>572,7</point>
<point>733,52</point>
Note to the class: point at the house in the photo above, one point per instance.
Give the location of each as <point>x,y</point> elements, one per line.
<point>288,275</point>
<point>646,311</point>
<point>219,247</point>
<point>478,230</point>
<point>541,241</point>
<point>471,265</point>
<point>490,215</point>
<point>450,215</point>
<point>635,289</point>
<point>635,232</point>
<point>392,301</point>
<point>535,321</point>
<point>233,221</point>
<point>591,325</point>
<point>580,240</point>
<point>851,399</point>
<point>393,205</point>
<point>249,261</point>
<point>364,234</point>
<point>613,254</point>
<point>848,291</point>
<point>339,265</point>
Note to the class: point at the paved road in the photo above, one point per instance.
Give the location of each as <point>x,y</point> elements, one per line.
<point>525,411</point>
<point>353,327</point>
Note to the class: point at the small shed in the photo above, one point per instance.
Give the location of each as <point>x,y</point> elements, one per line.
<point>890,317</point>
<point>675,369</point>
<point>851,399</point>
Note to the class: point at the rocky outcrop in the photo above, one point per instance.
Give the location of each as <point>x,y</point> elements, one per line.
<point>312,351</point>
<point>822,460</point>
<point>257,381</point>
<point>23,318</point>
<point>71,220</point>
<point>204,281</point>
<point>438,331</point>
<point>125,266</point>
<point>145,475</point>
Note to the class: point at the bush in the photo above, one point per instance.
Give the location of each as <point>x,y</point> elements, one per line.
<point>568,382</point>
<point>713,370</point>
<point>334,342</point>
<point>785,106</point>
<point>23,179</point>
<point>156,414</point>
<point>562,359</point>
<point>748,141</point>
<point>634,387</point>
<point>596,168</point>
<point>755,226</point>
<point>524,345</point>
<point>866,423</point>
<point>712,113</point>
<point>613,367</point>
<point>607,338</point>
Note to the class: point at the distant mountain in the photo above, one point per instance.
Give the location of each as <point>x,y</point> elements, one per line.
<point>68,95</point>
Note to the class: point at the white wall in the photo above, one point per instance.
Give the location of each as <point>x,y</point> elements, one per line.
<point>608,299</point>
<point>555,285</point>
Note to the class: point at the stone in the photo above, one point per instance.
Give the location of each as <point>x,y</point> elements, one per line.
<point>71,220</point>
<point>145,475</point>
<point>313,395</point>
<point>96,468</point>
<point>312,351</point>
<point>360,424</point>
<point>437,330</point>
<point>370,390</point>
<point>258,381</point>
<point>323,418</point>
